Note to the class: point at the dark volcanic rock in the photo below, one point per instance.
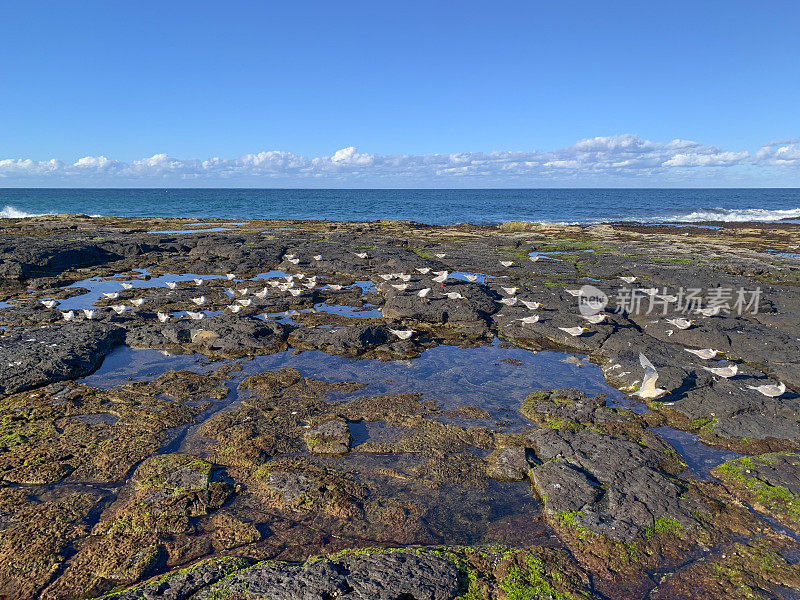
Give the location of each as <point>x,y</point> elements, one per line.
<point>35,357</point>
<point>229,334</point>
<point>508,464</point>
<point>388,576</point>
<point>477,303</point>
<point>616,486</point>
<point>770,482</point>
<point>25,257</point>
<point>342,340</point>
<point>182,584</point>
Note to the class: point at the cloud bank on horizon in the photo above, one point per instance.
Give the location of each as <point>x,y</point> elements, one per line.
<point>600,159</point>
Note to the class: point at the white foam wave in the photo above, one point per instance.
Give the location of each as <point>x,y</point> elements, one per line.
<point>737,215</point>
<point>10,212</point>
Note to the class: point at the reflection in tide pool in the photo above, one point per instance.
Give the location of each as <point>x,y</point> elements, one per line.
<point>364,312</point>
<point>699,457</point>
<point>128,364</point>
<point>98,286</point>
<point>494,378</point>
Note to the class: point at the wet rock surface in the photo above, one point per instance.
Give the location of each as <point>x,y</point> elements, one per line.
<point>770,482</point>
<point>380,577</point>
<point>213,469</point>
<point>31,358</point>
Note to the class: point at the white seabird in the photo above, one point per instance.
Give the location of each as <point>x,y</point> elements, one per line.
<point>680,323</point>
<point>726,372</point>
<point>595,319</point>
<point>573,331</point>
<point>403,334</point>
<point>705,353</point>
<point>769,390</point>
<point>648,389</point>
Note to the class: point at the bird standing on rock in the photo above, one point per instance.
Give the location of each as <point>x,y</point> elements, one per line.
<point>573,331</point>
<point>680,323</point>
<point>595,319</point>
<point>769,390</point>
<point>705,353</point>
<point>726,372</point>
<point>441,277</point>
<point>403,334</point>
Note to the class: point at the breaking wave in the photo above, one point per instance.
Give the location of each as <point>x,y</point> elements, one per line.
<point>10,212</point>
<point>737,215</point>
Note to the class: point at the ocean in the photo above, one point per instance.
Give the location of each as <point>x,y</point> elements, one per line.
<point>484,206</point>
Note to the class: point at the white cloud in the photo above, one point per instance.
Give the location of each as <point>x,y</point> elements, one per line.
<point>785,153</point>
<point>613,158</point>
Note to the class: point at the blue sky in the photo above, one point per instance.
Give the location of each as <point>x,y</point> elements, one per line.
<point>429,93</point>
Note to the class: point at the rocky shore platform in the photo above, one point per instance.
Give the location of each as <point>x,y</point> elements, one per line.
<point>394,411</point>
